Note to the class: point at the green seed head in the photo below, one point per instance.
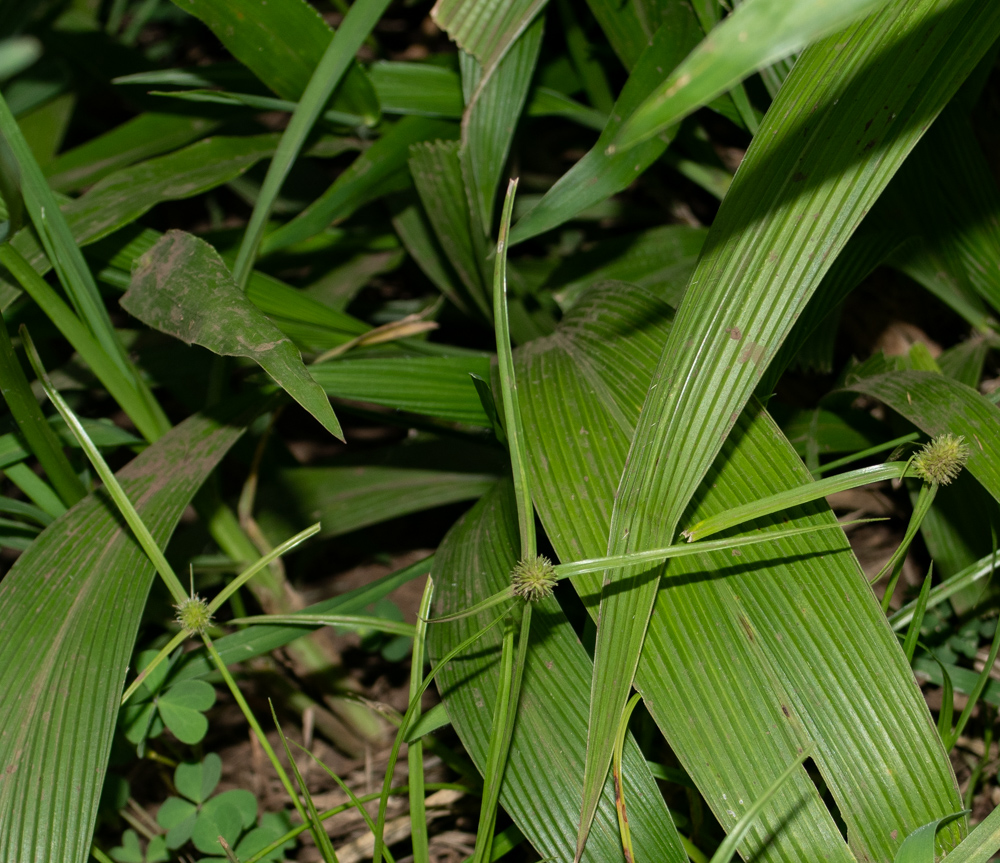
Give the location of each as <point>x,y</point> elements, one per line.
<point>193,614</point>
<point>534,578</point>
<point>941,460</point>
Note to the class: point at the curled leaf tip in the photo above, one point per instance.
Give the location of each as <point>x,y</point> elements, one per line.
<point>941,460</point>
<point>533,578</point>
<point>193,614</point>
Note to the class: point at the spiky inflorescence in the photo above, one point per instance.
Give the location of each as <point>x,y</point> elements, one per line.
<point>193,614</point>
<point>941,460</point>
<point>533,578</point>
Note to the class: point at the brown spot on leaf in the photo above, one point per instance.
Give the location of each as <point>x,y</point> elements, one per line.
<point>798,177</point>
<point>746,627</point>
<point>734,333</point>
<point>786,711</point>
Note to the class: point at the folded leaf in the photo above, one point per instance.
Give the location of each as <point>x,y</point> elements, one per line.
<point>182,287</point>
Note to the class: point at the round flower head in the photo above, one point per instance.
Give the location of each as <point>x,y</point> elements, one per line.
<point>941,460</point>
<point>193,614</point>
<point>533,578</point>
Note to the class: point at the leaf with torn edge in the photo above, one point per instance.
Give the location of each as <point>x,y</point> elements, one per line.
<point>183,288</point>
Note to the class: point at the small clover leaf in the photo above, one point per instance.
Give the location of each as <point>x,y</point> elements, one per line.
<point>182,706</point>
<point>178,818</point>
<point>273,825</point>
<point>131,852</point>
<point>223,820</point>
<point>197,780</point>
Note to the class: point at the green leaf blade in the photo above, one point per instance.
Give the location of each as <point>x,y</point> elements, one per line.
<point>182,287</point>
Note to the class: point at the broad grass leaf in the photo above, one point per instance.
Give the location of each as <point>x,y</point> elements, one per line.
<point>344,499</point>
<point>755,35</point>
<point>598,176</point>
<point>182,287</point>
<point>417,88</point>
<point>440,387</point>
<point>797,198</point>
<point>541,788</point>
<point>71,605</point>
<point>150,134</point>
<point>746,657</point>
<point>937,404</point>
<point>282,42</point>
<point>486,30</point>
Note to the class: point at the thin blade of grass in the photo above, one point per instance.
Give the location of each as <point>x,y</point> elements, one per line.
<point>357,24</point>
<point>315,825</point>
<point>796,497</point>
<point>732,841</point>
<point>913,633</point>
<point>415,748</point>
<point>508,385</point>
<point>616,773</point>
<point>111,484</point>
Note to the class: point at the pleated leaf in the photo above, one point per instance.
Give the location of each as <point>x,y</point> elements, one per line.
<point>849,112</point>
<point>71,606</point>
<point>747,656</point>
<point>541,786</point>
<point>486,29</point>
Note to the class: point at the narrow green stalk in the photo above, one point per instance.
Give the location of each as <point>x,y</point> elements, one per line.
<point>106,475</point>
<point>655,555</point>
<point>913,633</point>
<point>874,450</point>
<point>354,799</point>
<point>99,855</point>
<point>727,849</point>
<point>357,24</point>
<point>122,388</point>
<point>34,426</point>
<point>496,755</point>
<point>175,642</point>
<point>217,603</point>
<point>319,834</point>
<point>508,386</point>
<point>350,621</point>
<point>252,721</point>
<point>616,774</point>
<point>895,563</point>
<point>259,565</point>
<point>795,497</point>
<point>405,724</point>
<point>415,750</point>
